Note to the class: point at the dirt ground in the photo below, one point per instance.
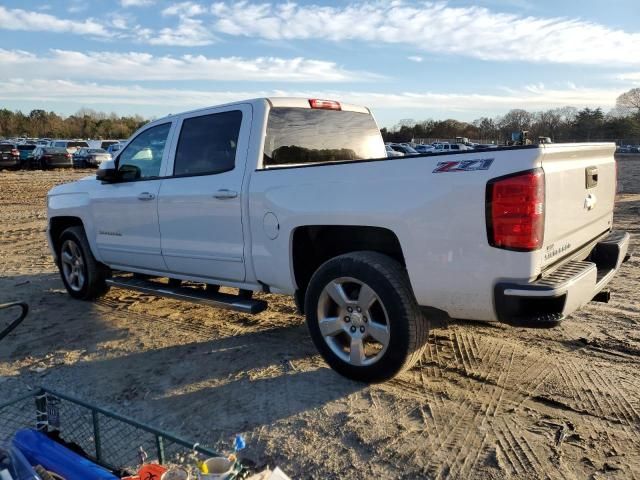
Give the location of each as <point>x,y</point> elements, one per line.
<point>486,401</point>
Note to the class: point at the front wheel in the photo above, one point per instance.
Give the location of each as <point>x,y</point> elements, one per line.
<point>83,276</point>
<point>363,317</point>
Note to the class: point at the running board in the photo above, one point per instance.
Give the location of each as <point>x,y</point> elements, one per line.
<point>212,299</point>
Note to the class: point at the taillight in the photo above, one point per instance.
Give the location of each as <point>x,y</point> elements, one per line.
<point>68,155</point>
<point>515,211</point>
<point>15,152</point>
<point>324,104</point>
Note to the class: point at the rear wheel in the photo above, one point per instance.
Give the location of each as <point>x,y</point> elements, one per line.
<point>83,276</point>
<point>363,317</point>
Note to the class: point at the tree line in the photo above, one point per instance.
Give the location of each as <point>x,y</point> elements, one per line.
<point>85,123</point>
<point>566,124</point>
<point>560,124</point>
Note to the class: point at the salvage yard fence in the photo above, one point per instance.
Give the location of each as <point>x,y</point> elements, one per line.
<point>107,438</point>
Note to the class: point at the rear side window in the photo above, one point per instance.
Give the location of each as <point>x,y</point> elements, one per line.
<point>208,144</point>
<point>305,135</point>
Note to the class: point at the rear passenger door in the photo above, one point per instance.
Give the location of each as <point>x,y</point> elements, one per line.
<point>200,203</point>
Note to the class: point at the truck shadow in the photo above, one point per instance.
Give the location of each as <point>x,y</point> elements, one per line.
<point>213,388</point>
<point>54,320</point>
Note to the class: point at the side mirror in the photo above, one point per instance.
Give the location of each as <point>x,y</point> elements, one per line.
<point>107,172</point>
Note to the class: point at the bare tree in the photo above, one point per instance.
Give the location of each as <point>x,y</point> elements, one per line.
<point>630,101</point>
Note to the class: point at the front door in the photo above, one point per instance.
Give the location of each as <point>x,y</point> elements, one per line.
<point>125,212</point>
<point>200,203</point>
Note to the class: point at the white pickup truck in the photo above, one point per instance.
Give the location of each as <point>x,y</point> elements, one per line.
<point>297,196</point>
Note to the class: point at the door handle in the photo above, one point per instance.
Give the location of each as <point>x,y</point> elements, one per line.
<point>146,196</point>
<point>225,193</point>
<point>591,177</point>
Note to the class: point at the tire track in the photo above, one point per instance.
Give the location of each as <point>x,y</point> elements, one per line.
<point>510,443</point>
<point>464,447</point>
<point>452,443</point>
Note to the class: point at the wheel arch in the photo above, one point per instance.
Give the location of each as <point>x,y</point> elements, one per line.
<point>312,245</point>
<point>59,224</point>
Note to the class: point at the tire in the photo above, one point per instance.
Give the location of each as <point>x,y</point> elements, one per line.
<point>89,281</point>
<point>384,323</point>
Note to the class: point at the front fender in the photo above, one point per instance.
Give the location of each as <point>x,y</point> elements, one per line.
<point>72,205</point>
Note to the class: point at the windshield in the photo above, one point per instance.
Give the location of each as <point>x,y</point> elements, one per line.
<point>305,135</point>
<point>6,147</point>
<point>55,150</point>
<point>96,150</point>
<point>77,144</point>
<point>26,147</point>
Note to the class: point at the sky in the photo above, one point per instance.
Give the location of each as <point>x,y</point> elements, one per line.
<point>404,59</point>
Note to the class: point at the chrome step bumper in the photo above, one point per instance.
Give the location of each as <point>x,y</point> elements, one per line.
<point>548,300</point>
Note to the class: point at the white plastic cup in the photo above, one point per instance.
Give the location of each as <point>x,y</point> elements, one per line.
<point>176,473</point>
<point>219,468</point>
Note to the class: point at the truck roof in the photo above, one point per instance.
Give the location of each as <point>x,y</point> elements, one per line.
<point>294,102</point>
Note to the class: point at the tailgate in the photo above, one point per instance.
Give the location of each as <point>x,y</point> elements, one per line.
<point>580,186</point>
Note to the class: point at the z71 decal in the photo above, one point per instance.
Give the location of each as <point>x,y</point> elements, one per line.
<point>463,165</point>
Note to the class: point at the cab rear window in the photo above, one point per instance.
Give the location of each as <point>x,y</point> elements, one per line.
<point>303,136</point>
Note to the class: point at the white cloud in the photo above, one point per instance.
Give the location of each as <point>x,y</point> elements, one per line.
<point>135,66</point>
<point>415,58</point>
<point>85,93</point>
<point>77,6</point>
<point>136,3</point>
<point>632,77</point>
<point>436,27</point>
<point>186,9</point>
<point>18,19</point>
<point>188,33</point>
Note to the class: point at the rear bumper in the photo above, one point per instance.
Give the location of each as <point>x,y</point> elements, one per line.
<point>13,162</point>
<point>58,163</point>
<point>553,297</point>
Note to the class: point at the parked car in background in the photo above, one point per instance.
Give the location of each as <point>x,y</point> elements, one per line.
<point>43,142</point>
<point>114,148</point>
<point>407,150</point>
<point>424,148</point>
<point>450,147</point>
<point>90,157</point>
<point>104,144</point>
<point>25,150</point>
<point>50,157</point>
<point>70,145</point>
<point>9,155</point>
<point>392,153</point>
